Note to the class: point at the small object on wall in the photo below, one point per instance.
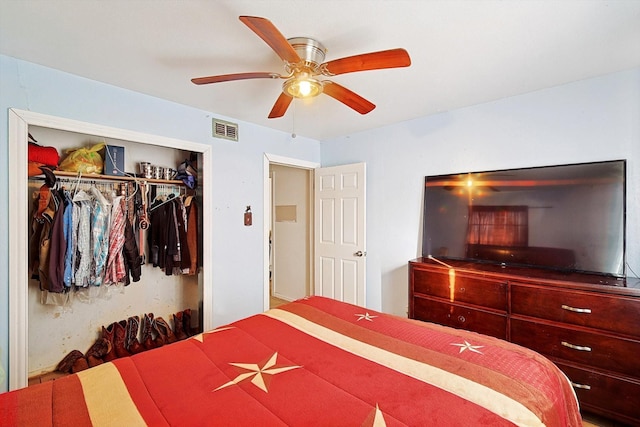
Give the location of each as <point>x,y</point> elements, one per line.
<point>286,213</point>
<point>247,216</point>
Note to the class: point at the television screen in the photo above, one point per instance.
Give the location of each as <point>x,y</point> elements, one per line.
<point>568,218</point>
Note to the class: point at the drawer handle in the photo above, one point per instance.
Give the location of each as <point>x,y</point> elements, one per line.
<point>461,319</point>
<point>576,347</point>
<point>576,310</point>
<point>582,386</point>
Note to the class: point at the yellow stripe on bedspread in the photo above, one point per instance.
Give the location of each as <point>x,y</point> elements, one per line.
<point>479,394</point>
<point>107,398</point>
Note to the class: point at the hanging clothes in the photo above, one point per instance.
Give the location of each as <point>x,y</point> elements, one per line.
<point>131,255</point>
<point>84,252</point>
<point>115,272</point>
<point>40,240</point>
<point>190,262</point>
<point>58,244</point>
<point>83,238</point>
<point>157,234</point>
<point>68,236</point>
<point>174,250</point>
<point>100,233</point>
<point>167,233</point>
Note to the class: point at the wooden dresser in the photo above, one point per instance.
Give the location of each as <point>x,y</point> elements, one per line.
<point>588,325</point>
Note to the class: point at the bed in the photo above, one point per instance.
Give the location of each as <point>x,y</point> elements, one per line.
<point>315,361</point>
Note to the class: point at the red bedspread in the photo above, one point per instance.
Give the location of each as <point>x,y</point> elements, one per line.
<point>312,362</point>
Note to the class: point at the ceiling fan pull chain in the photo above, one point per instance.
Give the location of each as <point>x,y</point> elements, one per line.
<point>293,119</point>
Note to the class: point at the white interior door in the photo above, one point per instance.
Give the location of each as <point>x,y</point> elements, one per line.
<point>340,240</point>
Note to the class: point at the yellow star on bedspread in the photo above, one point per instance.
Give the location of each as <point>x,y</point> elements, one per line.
<point>467,346</point>
<point>256,373</point>
<point>375,419</point>
<point>200,337</point>
<point>365,316</point>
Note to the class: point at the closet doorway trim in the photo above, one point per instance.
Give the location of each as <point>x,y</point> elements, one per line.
<point>19,122</point>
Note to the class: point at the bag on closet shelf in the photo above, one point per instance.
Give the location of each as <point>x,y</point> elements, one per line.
<point>187,173</point>
<point>84,160</point>
<point>41,156</point>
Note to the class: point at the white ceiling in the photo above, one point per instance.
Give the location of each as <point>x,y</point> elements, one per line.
<point>463,52</point>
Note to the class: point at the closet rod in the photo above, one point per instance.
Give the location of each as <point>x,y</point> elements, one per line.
<point>97,177</point>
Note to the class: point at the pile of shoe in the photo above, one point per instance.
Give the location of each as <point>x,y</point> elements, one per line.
<point>120,339</point>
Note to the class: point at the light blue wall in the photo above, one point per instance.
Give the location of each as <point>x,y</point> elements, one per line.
<point>590,120</point>
<point>237,172</point>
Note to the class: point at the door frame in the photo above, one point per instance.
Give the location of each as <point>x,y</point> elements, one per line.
<point>275,159</point>
<point>19,122</point>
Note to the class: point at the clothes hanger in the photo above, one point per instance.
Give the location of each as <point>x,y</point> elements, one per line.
<point>170,198</point>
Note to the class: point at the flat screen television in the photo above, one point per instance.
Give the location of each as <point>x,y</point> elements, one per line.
<point>569,218</point>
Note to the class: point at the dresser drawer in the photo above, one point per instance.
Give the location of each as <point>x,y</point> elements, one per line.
<point>457,316</point>
<point>595,310</point>
<point>470,289</point>
<point>593,349</point>
<point>611,396</point>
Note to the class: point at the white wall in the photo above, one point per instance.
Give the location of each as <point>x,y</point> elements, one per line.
<point>237,172</point>
<point>591,120</point>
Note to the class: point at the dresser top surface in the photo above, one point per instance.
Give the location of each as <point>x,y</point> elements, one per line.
<point>623,286</point>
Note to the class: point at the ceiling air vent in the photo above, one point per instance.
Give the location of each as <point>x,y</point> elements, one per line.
<point>226,130</point>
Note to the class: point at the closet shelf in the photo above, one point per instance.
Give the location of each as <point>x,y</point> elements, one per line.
<point>94,176</point>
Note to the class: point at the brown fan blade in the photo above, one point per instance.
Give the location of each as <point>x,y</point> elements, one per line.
<point>281,105</point>
<point>392,58</point>
<point>347,97</point>
<point>231,77</point>
<point>274,38</point>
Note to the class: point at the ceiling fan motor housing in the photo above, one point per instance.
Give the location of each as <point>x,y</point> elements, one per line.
<point>311,51</point>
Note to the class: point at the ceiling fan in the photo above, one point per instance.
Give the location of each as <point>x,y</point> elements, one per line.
<point>303,62</point>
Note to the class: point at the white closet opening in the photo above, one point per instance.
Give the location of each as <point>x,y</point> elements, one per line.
<point>40,335</point>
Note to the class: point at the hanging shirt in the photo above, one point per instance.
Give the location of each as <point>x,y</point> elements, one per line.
<point>192,235</point>
<point>115,262</point>
<point>100,233</point>
<point>68,235</point>
<point>84,255</point>
<point>131,254</point>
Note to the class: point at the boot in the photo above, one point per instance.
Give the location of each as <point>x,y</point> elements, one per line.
<point>147,329</point>
<point>98,350</point>
<point>186,322</point>
<point>94,361</point>
<point>178,325</point>
<point>161,337</point>
<point>164,329</point>
<point>80,365</point>
<point>107,333</point>
<point>67,362</point>
<point>119,340</point>
<point>133,345</point>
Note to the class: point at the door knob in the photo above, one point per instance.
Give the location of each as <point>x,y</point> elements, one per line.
<point>360,253</point>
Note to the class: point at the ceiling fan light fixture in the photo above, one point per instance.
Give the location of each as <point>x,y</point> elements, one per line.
<point>302,86</point>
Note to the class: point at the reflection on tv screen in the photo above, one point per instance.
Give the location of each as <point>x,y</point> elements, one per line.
<point>569,217</point>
